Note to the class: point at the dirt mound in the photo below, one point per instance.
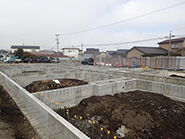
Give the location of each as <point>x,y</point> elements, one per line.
<point>50,84</point>
<point>145,115</point>
<point>13,125</point>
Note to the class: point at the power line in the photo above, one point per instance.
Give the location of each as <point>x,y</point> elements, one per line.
<point>42,42</point>
<point>48,42</point>
<point>100,27</point>
<point>120,43</point>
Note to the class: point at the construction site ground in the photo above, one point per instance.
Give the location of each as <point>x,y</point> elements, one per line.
<point>142,115</point>
<point>13,125</point>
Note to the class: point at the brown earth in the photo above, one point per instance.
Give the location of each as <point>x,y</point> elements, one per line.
<point>50,84</point>
<point>145,116</point>
<point>13,125</point>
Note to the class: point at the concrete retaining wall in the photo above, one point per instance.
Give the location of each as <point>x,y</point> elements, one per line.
<point>46,123</point>
<point>25,79</point>
<point>71,96</point>
<point>176,92</point>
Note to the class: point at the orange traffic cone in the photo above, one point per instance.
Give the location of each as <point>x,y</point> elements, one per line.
<point>127,64</point>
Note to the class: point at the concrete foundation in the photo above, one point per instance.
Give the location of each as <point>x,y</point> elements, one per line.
<point>102,81</point>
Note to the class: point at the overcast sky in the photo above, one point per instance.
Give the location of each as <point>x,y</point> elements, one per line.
<point>35,22</point>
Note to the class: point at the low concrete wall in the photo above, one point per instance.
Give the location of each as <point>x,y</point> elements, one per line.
<point>46,123</point>
<point>25,79</point>
<point>71,96</point>
<point>176,92</point>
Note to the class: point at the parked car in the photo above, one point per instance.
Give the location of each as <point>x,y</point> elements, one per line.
<point>29,60</point>
<point>43,59</point>
<point>87,61</point>
<point>54,60</point>
<point>12,60</point>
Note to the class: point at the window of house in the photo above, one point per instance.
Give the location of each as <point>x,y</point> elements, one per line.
<point>175,45</point>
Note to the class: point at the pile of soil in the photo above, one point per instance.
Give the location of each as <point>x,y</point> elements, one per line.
<point>142,115</point>
<point>173,75</point>
<point>44,85</point>
<point>13,125</point>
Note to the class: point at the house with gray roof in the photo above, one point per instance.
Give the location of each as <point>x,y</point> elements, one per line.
<point>177,45</point>
<point>138,51</point>
<point>26,48</point>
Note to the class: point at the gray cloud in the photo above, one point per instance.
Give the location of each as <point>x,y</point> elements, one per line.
<point>36,21</point>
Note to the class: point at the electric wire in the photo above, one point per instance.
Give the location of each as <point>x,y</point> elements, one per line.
<point>128,42</point>
<point>100,27</point>
<point>108,25</point>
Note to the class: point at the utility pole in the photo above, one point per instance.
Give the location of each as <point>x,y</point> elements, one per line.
<point>169,43</point>
<point>82,47</point>
<point>57,42</point>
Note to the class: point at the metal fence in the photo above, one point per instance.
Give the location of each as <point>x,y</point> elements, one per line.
<point>151,62</point>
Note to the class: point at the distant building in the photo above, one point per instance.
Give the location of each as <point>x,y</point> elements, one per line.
<point>79,52</point>
<point>50,54</point>
<point>177,44</point>
<point>90,53</point>
<point>138,51</point>
<point>120,53</point>
<point>5,52</point>
<point>71,52</point>
<point>92,50</point>
<point>25,48</point>
<point>110,52</point>
<point>103,55</point>
<point>122,50</point>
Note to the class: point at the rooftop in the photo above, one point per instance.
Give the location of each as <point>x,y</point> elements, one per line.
<point>151,50</point>
<point>172,40</point>
<point>25,47</point>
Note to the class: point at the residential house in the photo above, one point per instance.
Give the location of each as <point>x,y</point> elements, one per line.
<point>71,52</point>
<point>122,50</point>
<point>90,52</point>
<point>110,52</point>
<point>120,53</point>
<point>103,55</point>
<point>177,44</point>
<point>138,51</point>
<point>5,52</point>
<point>25,48</point>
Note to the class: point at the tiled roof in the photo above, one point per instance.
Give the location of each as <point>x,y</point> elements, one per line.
<point>151,50</point>
<point>70,48</point>
<point>172,40</point>
<point>51,54</point>
<point>24,47</point>
<point>110,52</point>
<point>92,49</point>
<point>122,50</point>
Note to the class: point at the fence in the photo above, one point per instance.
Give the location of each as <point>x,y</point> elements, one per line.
<point>152,62</point>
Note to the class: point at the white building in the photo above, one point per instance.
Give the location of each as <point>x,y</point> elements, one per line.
<point>25,48</point>
<point>71,52</point>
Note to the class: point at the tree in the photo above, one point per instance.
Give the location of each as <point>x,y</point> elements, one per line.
<point>147,55</point>
<point>19,53</point>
